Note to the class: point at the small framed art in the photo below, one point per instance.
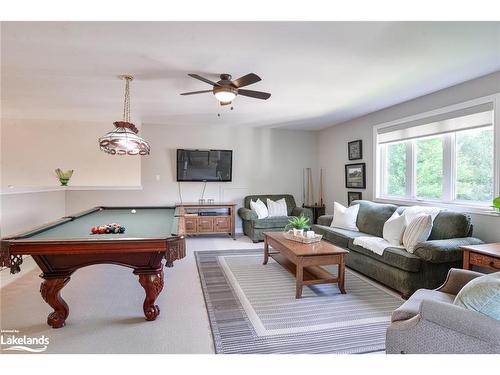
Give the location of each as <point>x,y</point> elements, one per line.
<point>355,150</point>
<point>353,196</point>
<point>355,176</point>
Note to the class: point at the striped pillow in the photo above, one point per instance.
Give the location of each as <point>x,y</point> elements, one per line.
<point>418,230</point>
<point>277,208</point>
<point>260,209</point>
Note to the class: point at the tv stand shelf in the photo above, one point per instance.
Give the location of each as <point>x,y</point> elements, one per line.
<point>220,220</point>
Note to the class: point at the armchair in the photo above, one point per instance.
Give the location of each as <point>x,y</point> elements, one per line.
<point>429,322</point>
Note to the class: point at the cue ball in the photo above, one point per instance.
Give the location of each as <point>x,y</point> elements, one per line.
<point>133,211</point>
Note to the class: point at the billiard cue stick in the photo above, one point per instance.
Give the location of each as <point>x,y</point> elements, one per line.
<point>320,194</point>
<point>303,186</point>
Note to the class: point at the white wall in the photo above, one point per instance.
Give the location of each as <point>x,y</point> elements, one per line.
<point>33,149</point>
<point>332,154</point>
<point>264,161</point>
<point>24,211</point>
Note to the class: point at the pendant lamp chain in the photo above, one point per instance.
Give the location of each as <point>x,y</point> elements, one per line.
<point>126,102</point>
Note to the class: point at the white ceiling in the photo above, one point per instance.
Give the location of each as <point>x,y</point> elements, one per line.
<point>319,73</point>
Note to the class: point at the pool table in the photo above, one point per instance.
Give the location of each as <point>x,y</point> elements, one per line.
<point>65,245</point>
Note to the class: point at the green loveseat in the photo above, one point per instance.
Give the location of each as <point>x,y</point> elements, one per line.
<point>254,227</point>
<point>426,268</point>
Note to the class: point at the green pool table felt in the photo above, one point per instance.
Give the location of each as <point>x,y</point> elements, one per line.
<point>145,223</point>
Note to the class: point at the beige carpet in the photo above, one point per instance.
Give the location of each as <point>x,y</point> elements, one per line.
<point>105,304</point>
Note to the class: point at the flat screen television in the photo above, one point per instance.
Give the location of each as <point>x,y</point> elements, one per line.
<point>204,165</point>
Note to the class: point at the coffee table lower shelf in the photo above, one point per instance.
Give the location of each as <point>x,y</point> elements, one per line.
<point>311,275</point>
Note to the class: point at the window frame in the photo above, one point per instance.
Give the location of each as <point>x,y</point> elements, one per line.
<point>449,168</point>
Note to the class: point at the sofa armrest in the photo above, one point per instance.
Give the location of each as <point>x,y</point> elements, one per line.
<point>247,214</point>
<point>444,251</point>
<point>456,280</point>
<point>442,327</point>
<point>325,220</point>
<point>297,211</point>
<point>458,319</point>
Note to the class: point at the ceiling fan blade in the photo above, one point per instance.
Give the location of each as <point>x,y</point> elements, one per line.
<point>246,80</point>
<point>203,79</point>
<point>196,92</point>
<point>255,94</point>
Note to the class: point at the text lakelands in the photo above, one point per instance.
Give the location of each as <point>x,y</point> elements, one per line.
<point>24,340</point>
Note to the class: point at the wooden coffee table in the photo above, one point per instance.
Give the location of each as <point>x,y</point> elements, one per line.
<point>305,260</point>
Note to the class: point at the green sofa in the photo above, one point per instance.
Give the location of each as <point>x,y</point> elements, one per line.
<point>255,228</point>
<point>426,268</point>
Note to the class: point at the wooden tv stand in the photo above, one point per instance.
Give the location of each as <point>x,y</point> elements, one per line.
<point>198,224</point>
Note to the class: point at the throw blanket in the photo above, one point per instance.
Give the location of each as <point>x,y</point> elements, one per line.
<point>375,244</point>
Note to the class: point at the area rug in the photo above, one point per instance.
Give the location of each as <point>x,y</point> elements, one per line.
<point>252,308</point>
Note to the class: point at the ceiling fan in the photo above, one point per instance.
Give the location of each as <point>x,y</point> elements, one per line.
<point>226,90</point>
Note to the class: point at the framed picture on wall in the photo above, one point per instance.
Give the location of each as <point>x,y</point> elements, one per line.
<point>355,176</point>
<point>355,150</point>
<point>353,196</point>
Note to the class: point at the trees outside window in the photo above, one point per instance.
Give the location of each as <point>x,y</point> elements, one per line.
<point>396,169</point>
<point>474,162</point>
<point>429,159</point>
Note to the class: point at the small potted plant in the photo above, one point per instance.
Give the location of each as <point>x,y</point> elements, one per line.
<point>496,203</point>
<point>64,176</point>
<point>298,225</point>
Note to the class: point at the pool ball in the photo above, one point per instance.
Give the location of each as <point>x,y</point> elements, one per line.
<point>133,211</point>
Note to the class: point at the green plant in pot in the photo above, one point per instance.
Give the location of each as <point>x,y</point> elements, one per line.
<point>298,224</point>
<point>496,203</point>
<point>64,176</point>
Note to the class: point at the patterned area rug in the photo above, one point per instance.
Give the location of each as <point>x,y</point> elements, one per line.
<point>252,308</point>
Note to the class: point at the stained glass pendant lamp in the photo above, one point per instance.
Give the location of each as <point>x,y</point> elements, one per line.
<point>124,139</point>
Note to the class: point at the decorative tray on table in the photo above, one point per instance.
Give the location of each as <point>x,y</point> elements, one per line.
<point>303,239</point>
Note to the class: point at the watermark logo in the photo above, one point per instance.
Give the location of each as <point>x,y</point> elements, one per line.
<point>11,340</point>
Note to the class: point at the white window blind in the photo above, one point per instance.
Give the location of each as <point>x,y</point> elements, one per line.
<point>465,118</point>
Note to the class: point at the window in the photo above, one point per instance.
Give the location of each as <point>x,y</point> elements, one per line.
<point>429,160</point>
<point>447,156</point>
<point>396,169</point>
<point>474,160</point>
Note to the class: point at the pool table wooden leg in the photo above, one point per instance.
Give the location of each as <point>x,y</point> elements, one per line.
<point>152,282</point>
<point>50,290</point>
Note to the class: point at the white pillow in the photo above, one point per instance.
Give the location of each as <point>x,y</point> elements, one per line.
<point>277,208</point>
<point>260,209</point>
<point>412,212</point>
<point>344,217</point>
<point>394,228</point>
<point>418,230</point>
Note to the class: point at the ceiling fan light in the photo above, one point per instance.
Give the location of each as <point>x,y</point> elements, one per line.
<point>225,96</point>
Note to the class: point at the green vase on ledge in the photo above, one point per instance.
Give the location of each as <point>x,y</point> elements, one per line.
<point>64,176</point>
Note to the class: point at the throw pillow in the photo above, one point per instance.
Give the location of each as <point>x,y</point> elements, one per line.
<point>260,209</point>
<point>412,212</point>
<point>481,294</point>
<point>344,217</point>
<point>418,230</point>
<point>277,208</point>
<point>394,229</point>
